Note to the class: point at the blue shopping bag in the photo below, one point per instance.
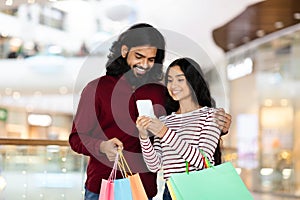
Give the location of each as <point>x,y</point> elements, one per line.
<point>122,190</point>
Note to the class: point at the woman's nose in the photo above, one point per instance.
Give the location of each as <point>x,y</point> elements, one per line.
<point>173,85</point>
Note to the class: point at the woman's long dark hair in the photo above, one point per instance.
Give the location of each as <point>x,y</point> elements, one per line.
<point>137,35</point>
<point>200,90</point>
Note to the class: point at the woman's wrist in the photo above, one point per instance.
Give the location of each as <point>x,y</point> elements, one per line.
<point>162,131</point>
<point>143,137</point>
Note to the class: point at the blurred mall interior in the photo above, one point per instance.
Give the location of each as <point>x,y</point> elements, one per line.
<point>49,50</point>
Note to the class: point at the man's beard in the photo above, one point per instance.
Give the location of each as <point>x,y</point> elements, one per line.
<point>140,80</point>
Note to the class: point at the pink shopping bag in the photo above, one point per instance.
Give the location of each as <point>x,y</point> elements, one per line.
<point>107,186</point>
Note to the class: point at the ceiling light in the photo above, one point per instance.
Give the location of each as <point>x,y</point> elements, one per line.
<point>230,46</point>
<point>63,90</point>
<point>278,25</point>
<point>268,102</point>
<point>240,69</point>
<point>16,95</point>
<point>8,91</point>
<point>260,33</point>
<point>266,171</point>
<point>284,102</point>
<point>297,15</point>
<point>3,34</point>
<point>9,2</point>
<point>246,39</point>
<point>39,120</point>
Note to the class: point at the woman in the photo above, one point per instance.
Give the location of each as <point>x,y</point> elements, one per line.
<point>188,127</point>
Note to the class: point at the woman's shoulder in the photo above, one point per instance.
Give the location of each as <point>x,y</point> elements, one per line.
<point>165,118</point>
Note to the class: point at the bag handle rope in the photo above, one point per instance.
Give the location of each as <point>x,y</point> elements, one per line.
<point>123,165</point>
<point>113,172</point>
<point>207,163</point>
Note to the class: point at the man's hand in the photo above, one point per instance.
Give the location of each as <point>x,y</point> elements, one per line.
<point>111,147</point>
<point>223,119</point>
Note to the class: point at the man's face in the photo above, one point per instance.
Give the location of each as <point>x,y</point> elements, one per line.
<point>140,59</point>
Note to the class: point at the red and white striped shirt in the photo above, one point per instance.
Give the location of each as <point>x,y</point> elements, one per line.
<point>186,134</point>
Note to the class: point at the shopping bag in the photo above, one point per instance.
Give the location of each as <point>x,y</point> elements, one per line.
<point>107,190</point>
<point>122,190</point>
<point>171,190</point>
<point>107,186</point>
<point>137,189</point>
<point>216,182</point>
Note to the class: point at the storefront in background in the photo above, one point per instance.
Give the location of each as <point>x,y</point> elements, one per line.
<point>264,100</point>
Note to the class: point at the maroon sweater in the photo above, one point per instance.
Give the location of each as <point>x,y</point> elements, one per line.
<point>107,109</point>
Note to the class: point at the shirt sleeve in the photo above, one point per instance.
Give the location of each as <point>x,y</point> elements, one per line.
<point>152,154</point>
<point>209,137</point>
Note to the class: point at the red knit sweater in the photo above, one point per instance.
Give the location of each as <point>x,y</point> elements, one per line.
<point>106,110</point>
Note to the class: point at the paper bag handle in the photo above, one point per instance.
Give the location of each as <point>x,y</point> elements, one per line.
<point>207,163</point>
<point>113,172</point>
<point>123,165</point>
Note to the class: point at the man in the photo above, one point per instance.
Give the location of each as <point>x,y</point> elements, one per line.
<point>106,114</point>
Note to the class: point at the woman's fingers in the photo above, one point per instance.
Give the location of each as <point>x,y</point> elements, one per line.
<point>143,121</point>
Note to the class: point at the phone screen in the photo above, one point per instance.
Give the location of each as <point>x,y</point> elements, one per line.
<point>145,108</point>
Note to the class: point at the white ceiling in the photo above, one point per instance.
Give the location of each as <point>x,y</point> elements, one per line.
<point>193,20</point>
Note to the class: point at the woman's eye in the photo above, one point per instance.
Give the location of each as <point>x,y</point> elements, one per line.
<point>169,81</point>
<point>180,80</point>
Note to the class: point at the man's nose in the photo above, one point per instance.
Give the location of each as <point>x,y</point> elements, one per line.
<point>144,63</point>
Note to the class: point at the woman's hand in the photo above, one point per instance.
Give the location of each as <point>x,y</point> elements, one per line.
<point>142,124</point>
<point>223,119</point>
<point>157,127</point>
<point>153,125</point>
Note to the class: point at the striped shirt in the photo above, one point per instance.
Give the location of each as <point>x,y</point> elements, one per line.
<point>186,134</point>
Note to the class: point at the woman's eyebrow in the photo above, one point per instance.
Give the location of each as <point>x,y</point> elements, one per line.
<point>178,75</point>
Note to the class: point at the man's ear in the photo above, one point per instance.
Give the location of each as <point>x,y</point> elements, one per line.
<point>124,50</point>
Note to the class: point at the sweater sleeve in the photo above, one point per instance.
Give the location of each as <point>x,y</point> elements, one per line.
<point>152,154</point>
<point>209,137</point>
<point>82,140</point>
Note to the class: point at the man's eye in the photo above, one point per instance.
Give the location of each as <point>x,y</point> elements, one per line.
<point>169,81</point>
<point>180,80</point>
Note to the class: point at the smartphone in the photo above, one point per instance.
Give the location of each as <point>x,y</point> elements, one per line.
<point>145,107</point>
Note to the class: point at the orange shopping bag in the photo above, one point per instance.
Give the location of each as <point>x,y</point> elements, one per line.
<point>136,185</point>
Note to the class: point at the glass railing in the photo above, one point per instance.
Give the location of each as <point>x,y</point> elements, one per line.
<point>279,180</point>
<point>40,170</point>
<point>50,170</point>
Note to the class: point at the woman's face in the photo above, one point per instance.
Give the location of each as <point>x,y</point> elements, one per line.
<point>178,86</point>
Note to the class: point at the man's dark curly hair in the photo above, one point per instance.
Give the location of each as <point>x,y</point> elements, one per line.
<point>137,35</point>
